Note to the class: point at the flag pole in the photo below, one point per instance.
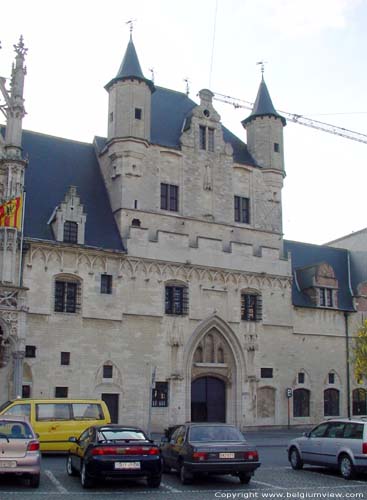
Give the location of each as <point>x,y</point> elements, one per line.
<point>21,240</point>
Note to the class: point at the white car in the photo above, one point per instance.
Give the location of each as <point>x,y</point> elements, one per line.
<point>336,443</point>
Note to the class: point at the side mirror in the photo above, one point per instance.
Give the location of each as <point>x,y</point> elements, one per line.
<point>72,439</point>
<point>306,434</point>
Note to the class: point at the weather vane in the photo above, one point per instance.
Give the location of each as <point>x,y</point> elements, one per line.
<point>262,63</point>
<point>131,23</point>
<point>187,81</point>
<point>152,72</point>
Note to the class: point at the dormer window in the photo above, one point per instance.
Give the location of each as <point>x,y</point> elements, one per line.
<point>326,297</point>
<point>206,138</point>
<point>70,232</point>
<point>68,219</point>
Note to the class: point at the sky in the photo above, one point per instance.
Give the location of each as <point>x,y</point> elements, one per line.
<point>315,66</point>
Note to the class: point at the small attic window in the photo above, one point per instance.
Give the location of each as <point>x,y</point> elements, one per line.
<point>138,113</point>
<point>70,232</point>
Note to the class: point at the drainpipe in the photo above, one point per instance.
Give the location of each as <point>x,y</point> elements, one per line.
<point>347,362</point>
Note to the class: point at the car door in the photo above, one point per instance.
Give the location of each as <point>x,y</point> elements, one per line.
<point>331,443</point>
<point>81,447</point>
<point>311,445</point>
<point>177,443</point>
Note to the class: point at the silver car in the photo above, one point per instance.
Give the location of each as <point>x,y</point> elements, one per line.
<point>19,449</point>
<point>336,443</point>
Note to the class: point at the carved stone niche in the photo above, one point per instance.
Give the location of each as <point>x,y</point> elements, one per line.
<point>251,342</point>
<point>5,349</point>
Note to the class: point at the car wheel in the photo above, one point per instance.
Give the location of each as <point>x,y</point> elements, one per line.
<point>85,479</point>
<point>70,469</point>
<point>185,476</point>
<point>154,481</point>
<point>295,459</point>
<point>166,468</point>
<point>346,467</point>
<point>34,481</point>
<point>244,477</point>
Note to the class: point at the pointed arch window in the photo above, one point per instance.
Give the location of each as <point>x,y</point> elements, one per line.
<point>301,403</point>
<point>359,402</point>
<point>331,402</point>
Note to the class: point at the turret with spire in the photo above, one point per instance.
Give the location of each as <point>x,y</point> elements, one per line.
<point>129,99</point>
<point>264,129</point>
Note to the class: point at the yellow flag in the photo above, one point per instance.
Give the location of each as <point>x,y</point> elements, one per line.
<point>11,213</point>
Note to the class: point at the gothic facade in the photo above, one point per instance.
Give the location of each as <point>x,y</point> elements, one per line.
<point>152,271</point>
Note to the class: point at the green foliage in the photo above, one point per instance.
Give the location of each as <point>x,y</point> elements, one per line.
<point>360,354</point>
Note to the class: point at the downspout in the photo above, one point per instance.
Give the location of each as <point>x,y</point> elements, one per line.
<point>347,362</point>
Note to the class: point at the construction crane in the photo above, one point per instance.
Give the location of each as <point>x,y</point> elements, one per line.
<point>301,120</point>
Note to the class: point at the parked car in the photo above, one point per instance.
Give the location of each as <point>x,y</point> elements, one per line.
<point>213,448</point>
<point>114,452</point>
<point>55,420</point>
<point>19,449</point>
<point>336,443</point>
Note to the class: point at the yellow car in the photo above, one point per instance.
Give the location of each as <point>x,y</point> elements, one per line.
<point>55,420</point>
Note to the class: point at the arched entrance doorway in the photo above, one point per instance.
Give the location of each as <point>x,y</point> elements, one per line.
<point>208,400</point>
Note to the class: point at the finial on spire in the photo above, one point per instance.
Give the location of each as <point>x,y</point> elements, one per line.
<point>152,73</point>
<point>187,81</point>
<point>262,63</point>
<point>131,23</point>
<point>20,48</point>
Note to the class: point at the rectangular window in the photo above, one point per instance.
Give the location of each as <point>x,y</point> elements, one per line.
<point>331,377</point>
<point>107,371</point>
<point>111,116</point>
<point>202,134</point>
<point>326,297</point>
<point>242,209</point>
<point>169,197</point>
<point>301,378</point>
<point>266,373</point>
<point>66,296</point>
<point>106,283</point>
<point>160,394</point>
<point>251,307</point>
<point>54,411</point>
<point>65,358</point>
<point>61,392</point>
<point>276,147</point>
<point>138,113</point>
<point>176,300</point>
<point>210,139</point>
<point>70,232</point>
<point>30,351</point>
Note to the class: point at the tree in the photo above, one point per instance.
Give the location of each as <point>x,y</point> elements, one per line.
<point>360,353</point>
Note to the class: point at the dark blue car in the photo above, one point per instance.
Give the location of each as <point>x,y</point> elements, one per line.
<point>114,452</point>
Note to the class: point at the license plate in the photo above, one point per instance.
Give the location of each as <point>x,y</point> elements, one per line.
<point>127,465</point>
<point>7,464</point>
<point>226,455</point>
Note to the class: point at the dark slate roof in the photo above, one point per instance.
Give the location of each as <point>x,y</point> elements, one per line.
<point>54,165</point>
<point>171,110</point>
<point>263,105</point>
<point>130,68</point>
<point>305,255</point>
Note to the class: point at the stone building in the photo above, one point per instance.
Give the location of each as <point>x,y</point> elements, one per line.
<point>153,271</point>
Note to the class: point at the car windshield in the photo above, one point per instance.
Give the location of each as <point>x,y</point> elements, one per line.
<point>11,429</point>
<point>215,433</point>
<point>120,435</point>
